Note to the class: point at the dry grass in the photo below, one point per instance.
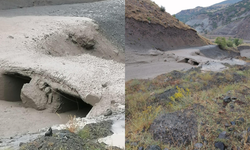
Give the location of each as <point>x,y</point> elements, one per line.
<point>72,125</point>
<point>141,10</point>
<point>140,111</point>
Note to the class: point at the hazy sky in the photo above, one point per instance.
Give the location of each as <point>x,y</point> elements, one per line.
<point>175,6</point>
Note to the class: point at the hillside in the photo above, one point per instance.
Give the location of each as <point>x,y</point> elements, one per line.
<point>186,15</point>
<point>231,21</point>
<point>148,26</point>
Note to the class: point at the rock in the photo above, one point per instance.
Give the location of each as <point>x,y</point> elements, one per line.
<point>178,126</point>
<point>50,98</point>
<point>84,40</point>
<point>32,97</point>
<point>227,99</point>
<point>153,147</point>
<point>198,145</point>
<point>108,112</point>
<point>41,85</point>
<point>133,143</point>
<point>140,148</point>
<point>47,90</point>
<point>74,142</point>
<point>49,132</point>
<point>227,125</point>
<point>20,144</point>
<point>233,123</point>
<point>248,139</point>
<point>240,121</point>
<point>222,135</point>
<point>248,130</point>
<point>219,145</point>
<point>234,98</point>
<point>165,149</point>
<point>243,134</point>
<point>11,37</point>
<point>205,142</point>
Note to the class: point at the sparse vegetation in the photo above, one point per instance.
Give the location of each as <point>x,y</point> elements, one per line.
<point>188,90</point>
<point>227,44</point>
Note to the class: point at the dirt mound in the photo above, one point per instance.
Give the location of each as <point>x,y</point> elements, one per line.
<point>147,27</point>
<point>78,40</point>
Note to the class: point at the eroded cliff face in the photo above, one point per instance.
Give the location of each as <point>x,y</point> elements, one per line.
<point>149,27</point>
<point>144,35</point>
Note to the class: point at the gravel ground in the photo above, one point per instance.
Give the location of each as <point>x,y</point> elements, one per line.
<point>109,15</point>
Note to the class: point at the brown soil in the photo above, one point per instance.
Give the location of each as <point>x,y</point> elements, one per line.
<point>144,35</point>
<point>148,11</point>
<point>147,27</point>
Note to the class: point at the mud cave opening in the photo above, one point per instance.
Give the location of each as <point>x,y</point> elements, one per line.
<point>11,85</point>
<point>192,62</point>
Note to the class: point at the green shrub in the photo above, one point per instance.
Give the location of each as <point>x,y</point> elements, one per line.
<point>230,43</point>
<point>225,44</point>
<point>237,41</point>
<point>163,9</point>
<point>221,41</point>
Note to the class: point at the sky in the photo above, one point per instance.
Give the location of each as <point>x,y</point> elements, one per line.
<point>175,6</point>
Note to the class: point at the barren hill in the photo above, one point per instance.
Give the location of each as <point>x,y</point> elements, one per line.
<point>186,15</point>
<point>149,26</point>
<point>232,20</point>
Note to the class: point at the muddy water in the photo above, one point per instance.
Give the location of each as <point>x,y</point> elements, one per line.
<point>15,120</point>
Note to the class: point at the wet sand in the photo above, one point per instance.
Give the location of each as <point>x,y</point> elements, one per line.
<point>17,120</point>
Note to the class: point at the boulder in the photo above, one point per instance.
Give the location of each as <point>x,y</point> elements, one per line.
<point>33,97</point>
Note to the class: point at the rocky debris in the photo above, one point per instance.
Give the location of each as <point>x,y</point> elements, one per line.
<point>49,132</point>
<point>223,135</point>
<point>140,148</point>
<point>227,99</point>
<point>164,97</point>
<point>108,112</point>
<point>39,95</point>
<point>84,40</point>
<point>213,66</point>
<point>153,147</point>
<point>198,145</point>
<point>219,145</point>
<point>60,139</point>
<point>96,130</point>
<point>178,127</point>
<point>85,139</point>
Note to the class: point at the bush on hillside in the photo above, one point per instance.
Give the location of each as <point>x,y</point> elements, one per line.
<point>221,41</point>
<point>237,41</point>
<point>225,44</point>
<point>163,9</point>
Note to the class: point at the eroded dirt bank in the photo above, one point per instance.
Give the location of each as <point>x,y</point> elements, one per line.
<point>145,35</point>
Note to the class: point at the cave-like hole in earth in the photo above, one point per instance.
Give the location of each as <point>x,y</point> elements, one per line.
<point>72,103</point>
<point>11,85</point>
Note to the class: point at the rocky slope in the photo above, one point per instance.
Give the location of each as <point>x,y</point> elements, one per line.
<point>149,27</point>
<point>231,21</point>
<point>186,15</point>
